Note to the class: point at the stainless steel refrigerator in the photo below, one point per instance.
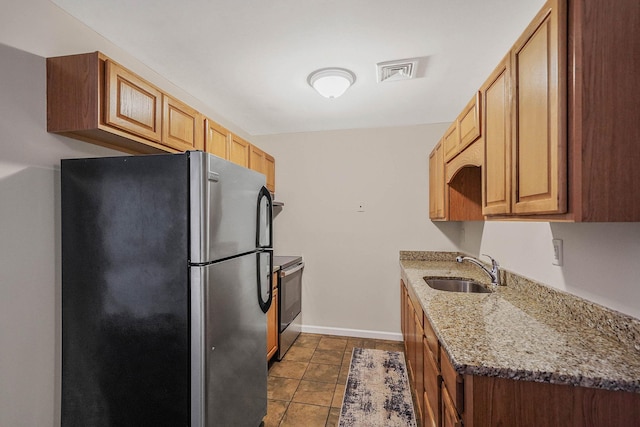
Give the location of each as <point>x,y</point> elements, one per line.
<point>166,279</point>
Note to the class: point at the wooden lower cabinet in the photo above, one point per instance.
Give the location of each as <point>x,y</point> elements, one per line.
<point>493,401</point>
<point>450,417</point>
<point>412,318</point>
<point>419,364</point>
<point>449,399</point>
<point>432,379</point>
<point>410,340</point>
<point>272,321</point>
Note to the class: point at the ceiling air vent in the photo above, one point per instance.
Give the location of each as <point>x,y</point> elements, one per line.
<point>391,71</point>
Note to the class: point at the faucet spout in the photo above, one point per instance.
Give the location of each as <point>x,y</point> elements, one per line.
<point>494,273</point>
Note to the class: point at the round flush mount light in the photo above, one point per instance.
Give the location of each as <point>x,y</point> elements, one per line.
<point>331,82</point>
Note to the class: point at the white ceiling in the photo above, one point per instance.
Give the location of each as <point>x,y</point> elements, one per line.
<point>249,59</point>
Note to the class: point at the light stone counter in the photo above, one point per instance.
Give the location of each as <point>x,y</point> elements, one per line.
<point>525,330</point>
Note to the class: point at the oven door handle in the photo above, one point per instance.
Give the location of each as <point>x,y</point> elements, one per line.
<point>285,273</point>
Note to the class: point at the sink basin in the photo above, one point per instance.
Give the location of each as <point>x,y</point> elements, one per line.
<point>451,284</point>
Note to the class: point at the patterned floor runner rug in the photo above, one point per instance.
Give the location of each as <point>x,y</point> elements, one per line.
<point>377,391</point>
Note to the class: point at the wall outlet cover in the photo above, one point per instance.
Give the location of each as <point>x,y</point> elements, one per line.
<point>557,252</point>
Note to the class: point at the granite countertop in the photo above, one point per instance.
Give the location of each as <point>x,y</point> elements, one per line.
<point>525,331</point>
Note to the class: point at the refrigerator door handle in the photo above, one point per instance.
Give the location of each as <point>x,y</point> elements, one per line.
<point>263,225</point>
<point>265,305</point>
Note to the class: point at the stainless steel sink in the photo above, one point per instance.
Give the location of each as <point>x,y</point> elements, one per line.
<point>454,284</point>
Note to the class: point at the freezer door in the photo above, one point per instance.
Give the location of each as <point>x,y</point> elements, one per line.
<point>229,368</point>
<point>224,217</point>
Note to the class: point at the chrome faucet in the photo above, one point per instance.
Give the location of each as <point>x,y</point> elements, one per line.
<point>494,273</point>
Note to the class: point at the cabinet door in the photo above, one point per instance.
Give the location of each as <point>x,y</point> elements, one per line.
<point>497,141</point>
<point>450,416</point>
<point>181,125</point>
<point>256,159</point>
<point>216,139</point>
<point>451,141</point>
<point>270,165</point>
<point>131,103</point>
<point>431,387</point>
<point>239,151</point>
<point>411,348</point>
<point>469,124</point>
<point>539,114</point>
<point>272,323</point>
<point>403,309</point>
<point>419,364</point>
<point>436,183</point>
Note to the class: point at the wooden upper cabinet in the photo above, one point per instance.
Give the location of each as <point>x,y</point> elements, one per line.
<point>239,151</point>
<point>93,99</point>
<point>131,103</point>
<point>464,130</point>
<point>270,166</point>
<point>256,159</point>
<point>469,123</point>
<point>496,119</point>
<point>604,105</point>
<point>436,183</point>
<point>539,114</point>
<point>451,141</point>
<point>216,139</point>
<point>264,163</point>
<point>182,126</point>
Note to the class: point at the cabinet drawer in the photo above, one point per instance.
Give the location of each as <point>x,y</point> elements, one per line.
<point>452,380</point>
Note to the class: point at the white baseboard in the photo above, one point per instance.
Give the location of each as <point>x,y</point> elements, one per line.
<point>358,333</point>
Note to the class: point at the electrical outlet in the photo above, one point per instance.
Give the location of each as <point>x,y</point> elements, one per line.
<point>359,206</point>
<point>557,251</point>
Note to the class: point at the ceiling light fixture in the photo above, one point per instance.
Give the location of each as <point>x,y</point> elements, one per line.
<point>331,82</point>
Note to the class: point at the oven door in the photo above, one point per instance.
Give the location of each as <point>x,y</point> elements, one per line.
<point>290,294</point>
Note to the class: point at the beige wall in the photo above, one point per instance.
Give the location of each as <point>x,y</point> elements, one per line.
<point>600,260</point>
<point>351,279</point>
<point>30,243</point>
<point>30,277</point>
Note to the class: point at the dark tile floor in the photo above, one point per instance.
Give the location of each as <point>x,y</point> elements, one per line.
<point>307,386</point>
